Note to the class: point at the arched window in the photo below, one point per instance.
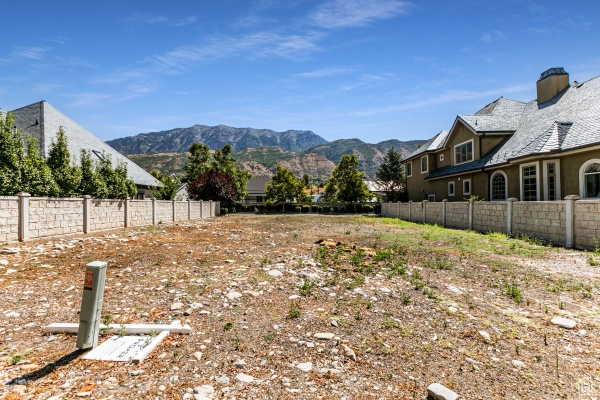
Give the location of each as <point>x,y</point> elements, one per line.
<point>589,179</point>
<point>498,186</point>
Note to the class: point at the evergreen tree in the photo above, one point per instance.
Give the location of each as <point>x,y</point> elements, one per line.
<point>67,175</point>
<point>346,182</point>
<point>391,176</point>
<point>11,149</point>
<point>118,185</point>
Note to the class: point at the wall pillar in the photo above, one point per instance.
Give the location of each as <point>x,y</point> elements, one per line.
<point>509,215</point>
<point>570,220</point>
<point>87,202</point>
<point>153,211</point>
<point>189,209</point>
<point>174,211</point>
<point>218,208</point>
<point>470,215</point>
<point>444,212</point>
<point>126,207</point>
<point>410,203</point>
<point>424,204</point>
<point>23,216</point>
<point>201,209</point>
<point>210,211</point>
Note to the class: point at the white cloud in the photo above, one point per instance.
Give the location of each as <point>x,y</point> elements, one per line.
<point>354,13</point>
<point>139,18</point>
<point>325,72</point>
<point>32,53</point>
<point>493,36</point>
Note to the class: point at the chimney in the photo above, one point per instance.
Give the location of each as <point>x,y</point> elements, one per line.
<point>551,82</point>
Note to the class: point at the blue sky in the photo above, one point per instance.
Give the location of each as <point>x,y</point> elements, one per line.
<point>373,70</point>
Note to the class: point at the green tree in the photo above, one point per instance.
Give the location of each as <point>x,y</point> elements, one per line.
<point>391,176</point>
<point>284,187</point>
<point>306,180</point>
<point>200,162</point>
<point>118,184</point>
<point>169,188</point>
<point>91,182</point>
<point>346,182</point>
<point>67,175</point>
<point>11,150</point>
<point>36,175</point>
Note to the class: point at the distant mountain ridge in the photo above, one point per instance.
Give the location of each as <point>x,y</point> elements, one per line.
<point>179,140</point>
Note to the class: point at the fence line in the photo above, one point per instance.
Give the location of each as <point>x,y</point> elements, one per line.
<point>570,222</point>
<point>23,217</point>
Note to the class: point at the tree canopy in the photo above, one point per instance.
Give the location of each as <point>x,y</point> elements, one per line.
<point>213,185</point>
<point>66,174</point>
<point>284,187</point>
<point>346,182</point>
<point>169,188</point>
<point>391,176</point>
<point>222,160</point>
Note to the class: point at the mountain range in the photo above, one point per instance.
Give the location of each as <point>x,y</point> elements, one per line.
<point>257,150</point>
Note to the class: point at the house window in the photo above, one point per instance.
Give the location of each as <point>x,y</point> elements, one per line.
<point>463,152</point>
<point>589,179</point>
<point>499,186</point>
<point>551,180</point>
<point>441,157</point>
<point>424,166</point>
<point>529,182</point>
<point>431,198</point>
<point>467,187</point>
<point>99,154</point>
<point>451,190</point>
<point>259,199</point>
<point>408,167</point>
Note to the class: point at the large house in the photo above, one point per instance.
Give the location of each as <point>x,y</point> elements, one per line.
<point>43,121</point>
<point>542,150</point>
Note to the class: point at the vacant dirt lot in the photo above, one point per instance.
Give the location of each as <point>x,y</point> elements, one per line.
<point>399,306</point>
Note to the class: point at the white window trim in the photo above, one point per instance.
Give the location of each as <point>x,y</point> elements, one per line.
<point>429,196</point>
<point>582,180</point>
<point>409,175</point>
<point>441,157</point>
<point>460,144</point>
<point>427,170</point>
<point>505,185</point>
<point>470,187</point>
<point>453,192</point>
<point>557,175</point>
<point>537,179</point>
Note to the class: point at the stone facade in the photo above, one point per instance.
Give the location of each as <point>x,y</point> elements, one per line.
<point>23,217</point>
<point>550,221</point>
<point>9,218</point>
<point>55,217</point>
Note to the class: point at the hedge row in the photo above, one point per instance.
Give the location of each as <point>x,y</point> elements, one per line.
<point>304,208</point>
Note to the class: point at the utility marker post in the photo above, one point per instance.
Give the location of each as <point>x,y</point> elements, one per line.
<point>91,305</point>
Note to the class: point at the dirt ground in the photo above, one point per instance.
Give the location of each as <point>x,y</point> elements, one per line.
<point>393,318</point>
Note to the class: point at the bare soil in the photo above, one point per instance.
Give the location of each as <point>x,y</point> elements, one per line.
<point>477,322</point>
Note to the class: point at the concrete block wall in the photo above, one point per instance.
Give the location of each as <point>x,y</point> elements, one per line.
<point>457,215</point>
<point>404,207</point>
<point>107,214</point>
<point>55,217</point>
<point>9,218</point>
<point>542,219</point>
<point>490,216</point>
<point>416,212</point>
<point>23,217</point>
<point>164,211</point>
<point>181,210</point>
<point>587,223</point>
<point>140,212</point>
<point>434,214</point>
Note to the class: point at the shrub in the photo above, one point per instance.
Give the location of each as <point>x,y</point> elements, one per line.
<point>335,209</point>
<point>314,208</point>
<point>368,208</point>
<point>377,208</point>
<point>297,209</point>
<point>350,208</point>
<point>224,210</point>
<point>326,209</point>
<point>232,210</point>
<point>358,208</point>
<point>305,209</point>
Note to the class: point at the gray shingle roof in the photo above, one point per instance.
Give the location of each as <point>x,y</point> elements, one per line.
<point>433,144</point>
<point>43,121</point>
<point>256,184</point>
<point>501,115</point>
<point>568,121</point>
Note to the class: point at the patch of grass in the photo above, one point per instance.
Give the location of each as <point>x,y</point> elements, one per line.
<point>294,310</point>
<point>228,326</point>
<point>382,255</point>
<point>514,291</point>
<point>306,287</point>
<point>358,258</point>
